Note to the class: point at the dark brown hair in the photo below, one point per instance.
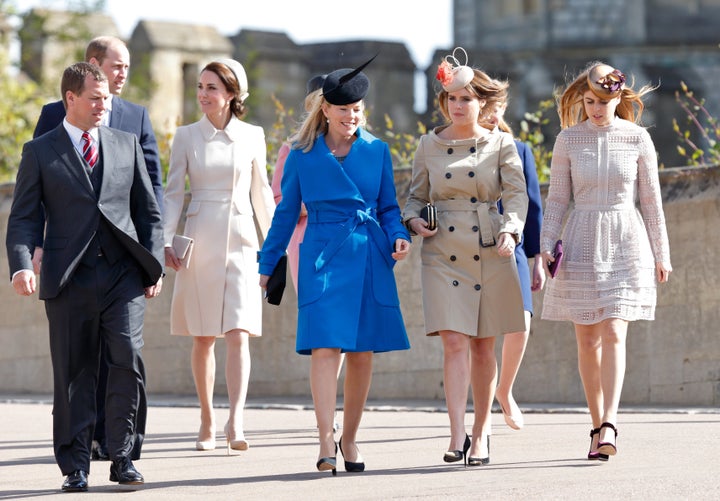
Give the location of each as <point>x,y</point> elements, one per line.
<point>73,78</point>
<point>228,79</point>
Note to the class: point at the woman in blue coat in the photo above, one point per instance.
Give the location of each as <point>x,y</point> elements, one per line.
<point>347,297</point>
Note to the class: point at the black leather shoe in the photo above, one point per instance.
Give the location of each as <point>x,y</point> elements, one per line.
<point>77,481</point>
<point>99,451</point>
<point>123,472</point>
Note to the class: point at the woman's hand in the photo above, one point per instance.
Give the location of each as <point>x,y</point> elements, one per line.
<point>663,272</point>
<point>419,226</point>
<point>171,258</point>
<point>547,258</point>
<point>264,280</point>
<point>402,249</point>
<point>538,274</point>
<point>505,244</point>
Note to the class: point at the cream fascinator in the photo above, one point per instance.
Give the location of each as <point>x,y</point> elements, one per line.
<point>453,75</point>
<point>605,81</point>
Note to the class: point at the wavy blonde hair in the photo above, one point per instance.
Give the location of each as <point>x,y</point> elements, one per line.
<point>571,108</point>
<point>315,122</point>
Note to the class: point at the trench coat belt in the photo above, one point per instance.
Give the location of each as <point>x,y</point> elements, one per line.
<point>487,238</point>
<point>350,222</point>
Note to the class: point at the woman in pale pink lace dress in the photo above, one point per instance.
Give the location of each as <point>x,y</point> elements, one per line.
<point>614,254</point>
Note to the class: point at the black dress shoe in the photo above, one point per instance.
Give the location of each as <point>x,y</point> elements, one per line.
<point>123,472</point>
<point>77,481</point>
<point>99,451</point>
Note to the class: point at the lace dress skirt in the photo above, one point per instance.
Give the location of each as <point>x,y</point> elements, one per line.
<point>608,268</point>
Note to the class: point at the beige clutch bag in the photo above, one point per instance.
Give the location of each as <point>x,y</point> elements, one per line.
<point>183,247</point>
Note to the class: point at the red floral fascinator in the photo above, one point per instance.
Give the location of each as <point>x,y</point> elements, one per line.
<point>453,75</point>
<point>605,81</point>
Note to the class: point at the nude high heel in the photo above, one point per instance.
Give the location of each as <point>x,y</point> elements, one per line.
<point>235,445</point>
<point>205,445</point>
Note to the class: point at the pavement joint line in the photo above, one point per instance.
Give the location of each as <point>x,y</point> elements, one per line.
<point>391,406</point>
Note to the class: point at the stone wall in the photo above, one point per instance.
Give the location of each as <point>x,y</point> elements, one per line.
<point>673,360</point>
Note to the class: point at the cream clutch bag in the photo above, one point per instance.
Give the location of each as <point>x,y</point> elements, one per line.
<point>183,247</point>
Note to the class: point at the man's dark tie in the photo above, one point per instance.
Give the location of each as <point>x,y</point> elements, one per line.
<point>90,151</point>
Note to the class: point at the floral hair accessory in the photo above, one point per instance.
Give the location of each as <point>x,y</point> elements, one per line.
<point>453,75</point>
<point>605,81</point>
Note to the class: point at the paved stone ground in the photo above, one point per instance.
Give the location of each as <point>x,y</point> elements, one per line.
<point>663,454</point>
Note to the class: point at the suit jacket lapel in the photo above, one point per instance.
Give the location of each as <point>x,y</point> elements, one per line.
<point>67,152</point>
<point>108,144</point>
<point>116,114</point>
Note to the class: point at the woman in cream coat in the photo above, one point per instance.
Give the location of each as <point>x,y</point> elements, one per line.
<point>471,290</point>
<point>216,291</point>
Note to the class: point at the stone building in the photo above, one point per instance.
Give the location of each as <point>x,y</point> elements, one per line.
<point>537,43</point>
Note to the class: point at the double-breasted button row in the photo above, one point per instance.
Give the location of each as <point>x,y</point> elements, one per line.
<point>448,175</point>
<point>454,257</point>
<point>477,287</point>
<point>450,151</point>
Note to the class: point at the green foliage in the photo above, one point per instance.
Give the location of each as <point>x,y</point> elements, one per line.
<point>402,144</point>
<point>531,132</point>
<point>279,131</point>
<point>18,114</point>
<point>700,124</point>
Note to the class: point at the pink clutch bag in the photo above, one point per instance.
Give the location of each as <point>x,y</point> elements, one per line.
<point>558,254</point>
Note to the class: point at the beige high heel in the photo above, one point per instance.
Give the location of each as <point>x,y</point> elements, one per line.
<point>235,445</point>
<point>205,445</point>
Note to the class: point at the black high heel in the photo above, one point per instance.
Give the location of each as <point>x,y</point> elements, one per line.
<point>457,455</point>
<point>328,463</point>
<point>608,448</point>
<point>351,466</point>
<point>476,461</point>
<point>594,455</point>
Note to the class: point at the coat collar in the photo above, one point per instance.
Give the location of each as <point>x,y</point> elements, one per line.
<point>233,130</point>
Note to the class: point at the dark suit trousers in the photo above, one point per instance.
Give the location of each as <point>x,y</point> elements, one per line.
<point>101,301</point>
<point>99,435</point>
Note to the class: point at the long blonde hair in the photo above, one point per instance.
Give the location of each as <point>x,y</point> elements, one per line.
<point>314,123</point>
<point>571,108</point>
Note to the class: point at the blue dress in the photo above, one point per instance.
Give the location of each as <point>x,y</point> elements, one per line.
<point>347,296</point>
<point>530,244</point>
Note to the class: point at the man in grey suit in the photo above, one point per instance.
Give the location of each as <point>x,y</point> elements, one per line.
<point>113,58</point>
<point>87,186</point>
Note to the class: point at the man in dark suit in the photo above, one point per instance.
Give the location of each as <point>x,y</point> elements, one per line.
<point>103,255</point>
<point>112,56</point>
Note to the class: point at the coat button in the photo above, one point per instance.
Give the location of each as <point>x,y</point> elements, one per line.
<point>453,258</point>
<point>456,283</point>
<point>475,228</point>
<point>476,257</point>
<point>477,287</point>
<point>473,199</point>
<point>471,174</point>
<point>448,175</point>
<point>450,151</point>
<point>451,228</point>
<point>472,149</point>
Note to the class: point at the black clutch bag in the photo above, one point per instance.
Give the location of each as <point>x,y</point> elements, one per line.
<point>429,214</point>
<point>276,282</point>
<point>557,254</point>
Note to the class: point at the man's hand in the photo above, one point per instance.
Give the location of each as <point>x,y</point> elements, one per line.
<point>153,290</point>
<point>37,259</point>
<point>24,282</point>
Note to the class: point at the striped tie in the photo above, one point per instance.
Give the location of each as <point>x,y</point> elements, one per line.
<point>90,151</point>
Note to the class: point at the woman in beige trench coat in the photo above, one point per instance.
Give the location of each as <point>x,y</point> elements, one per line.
<point>216,292</point>
<point>471,290</point>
